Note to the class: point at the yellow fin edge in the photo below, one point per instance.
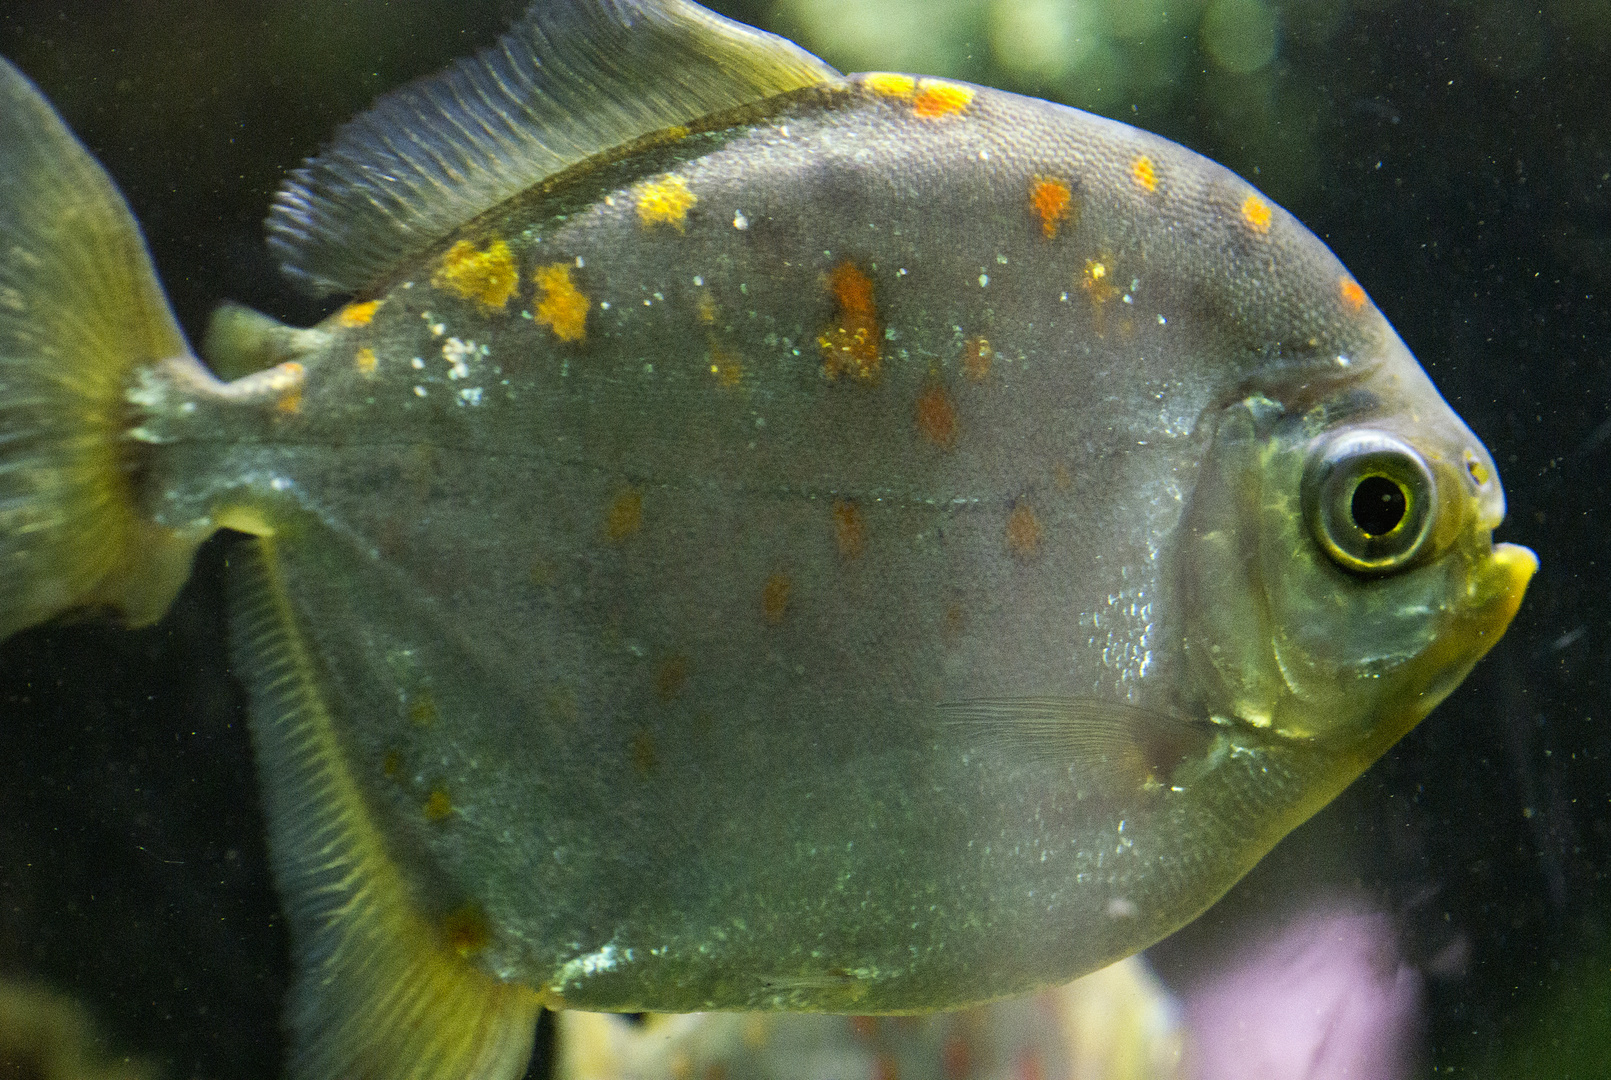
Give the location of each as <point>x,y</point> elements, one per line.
<point>377,993</point>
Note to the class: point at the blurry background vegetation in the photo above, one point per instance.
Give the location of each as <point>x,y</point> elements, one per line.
<point>1456,155</point>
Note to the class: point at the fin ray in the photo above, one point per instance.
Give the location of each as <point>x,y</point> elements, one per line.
<point>573,78</point>
<point>377,994</point>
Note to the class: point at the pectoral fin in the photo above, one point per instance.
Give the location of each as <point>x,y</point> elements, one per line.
<point>378,993</point>
<point>1100,739</point>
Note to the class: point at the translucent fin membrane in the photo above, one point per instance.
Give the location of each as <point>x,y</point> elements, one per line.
<point>80,311</point>
<point>377,994</point>
<point>572,79</point>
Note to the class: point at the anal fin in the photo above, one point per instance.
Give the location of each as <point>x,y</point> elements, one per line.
<point>378,993</point>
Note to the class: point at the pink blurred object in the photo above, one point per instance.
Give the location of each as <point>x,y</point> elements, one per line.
<point>1327,998</point>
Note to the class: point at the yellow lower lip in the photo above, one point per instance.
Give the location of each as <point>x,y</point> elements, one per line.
<point>1497,589</point>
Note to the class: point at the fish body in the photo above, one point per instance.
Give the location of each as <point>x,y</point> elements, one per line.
<point>859,544</point>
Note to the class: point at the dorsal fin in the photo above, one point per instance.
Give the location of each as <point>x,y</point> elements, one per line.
<point>573,78</point>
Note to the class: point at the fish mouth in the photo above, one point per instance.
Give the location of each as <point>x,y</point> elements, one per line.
<point>1494,593</point>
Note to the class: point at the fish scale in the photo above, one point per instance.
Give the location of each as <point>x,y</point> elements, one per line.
<point>850,544</point>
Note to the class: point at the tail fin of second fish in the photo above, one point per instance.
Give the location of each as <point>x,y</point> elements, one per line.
<point>80,313</point>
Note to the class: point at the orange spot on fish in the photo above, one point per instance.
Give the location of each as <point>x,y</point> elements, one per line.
<point>887,84</point>
<point>1023,532</point>
<point>775,598</point>
<point>642,752</point>
<point>625,515</point>
<point>977,356</point>
<point>1256,212</point>
<point>849,528</point>
<point>1353,297</point>
<point>850,345</point>
<point>465,931</point>
<point>1030,1067</point>
<point>561,306</point>
<point>438,806</point>
<point>1052,200</point>
<point>956,1062</point>
<point>669,680</point>
<point>886,1068</point>
<point>1143,173</point>
<point>937,417</point>
<point>664,201</point>
<point>489,277</point>
<point>355,315</point>
<point>936,98</point>
<point>365,361</point>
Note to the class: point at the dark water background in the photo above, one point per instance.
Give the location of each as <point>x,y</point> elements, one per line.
<point>1456,156</point>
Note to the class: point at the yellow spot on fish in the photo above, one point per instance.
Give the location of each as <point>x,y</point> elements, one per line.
<point>1097,281</point>
<point>1023,532</point>
<point>642,751</point>
<point>891,85</point>
<point>464,930</point>
<point>727,369</point>
<point>977,356</point>
<point>288,381</point>
<point>438,806</point>
<point>936,98</point>
<point>1256,212</point>
<point>665,201</point>
<point>775,598</point>
<point>561,306</point>
<point>365,361</point>
<point>849,529</point>
<point>1476,469</point>
<point>936,417</point>
<point>488,277</point>
<point>851,345</point>
<point>355,315</point>
<point>422,711</point>
<point>1142,172</point>
<point>669,680</point>
<point>1052,200</point>
<point>1353,297</point>
<point>707,307</point>
<point>625,515</point>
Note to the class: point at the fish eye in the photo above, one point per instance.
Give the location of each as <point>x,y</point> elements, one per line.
<point>1368,499</point>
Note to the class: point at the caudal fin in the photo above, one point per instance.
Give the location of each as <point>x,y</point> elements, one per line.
<point>80,313</point>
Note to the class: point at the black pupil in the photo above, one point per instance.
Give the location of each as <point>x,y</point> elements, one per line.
<point>1378,505</point>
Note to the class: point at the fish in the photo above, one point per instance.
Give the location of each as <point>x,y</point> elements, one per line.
<point>750,537</point>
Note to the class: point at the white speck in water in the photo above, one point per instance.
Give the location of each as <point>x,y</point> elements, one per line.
<point>418,363</point>
<point>698,279</point>
<point>1063,297</point>
<point>604,305</point>
<point>901,272</point>
<point>739,220</point>
<point>457,353</point>
<point>470,395</point>
<point>579,262</point>
<point>984,279</point>
<point>984,155</point>
<point>1002,259</point>
<point>648,369</point>
<point>525,315</point>
<point>419,391</point>
<point>1162,321</point>
<point>279,483</point>
<point>1343,361</point>
<point>1127,299</point>
<point>658,296</point>
<point>438,329</point>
